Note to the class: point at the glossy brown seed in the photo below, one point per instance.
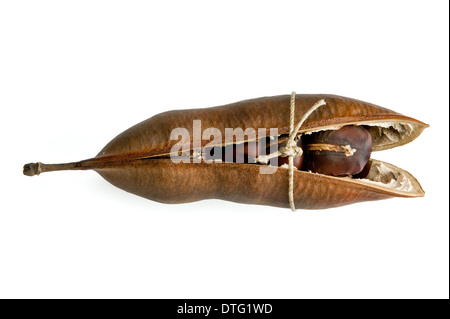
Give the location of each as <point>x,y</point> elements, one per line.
<point>235,153</point>
<point>243,153</point>
<point>365,172</point>
<point>342,152</point>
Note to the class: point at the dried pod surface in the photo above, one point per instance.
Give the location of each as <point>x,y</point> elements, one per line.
<point>152,136</point>
<point>137,160</point>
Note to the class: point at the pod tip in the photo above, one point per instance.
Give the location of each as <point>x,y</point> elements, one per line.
<point>32,169</point>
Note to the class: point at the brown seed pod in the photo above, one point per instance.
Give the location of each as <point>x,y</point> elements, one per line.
<point>138,160</point>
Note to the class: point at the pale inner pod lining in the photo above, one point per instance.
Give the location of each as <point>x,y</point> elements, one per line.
<point>382,175</point>
<point>384,134</point>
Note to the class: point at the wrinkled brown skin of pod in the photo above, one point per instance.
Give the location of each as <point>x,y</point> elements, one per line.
<point>125,162</point>
<point>182,183</point>
<point>152,136</point>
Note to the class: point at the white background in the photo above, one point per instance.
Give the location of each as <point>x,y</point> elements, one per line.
<point>74,74</point>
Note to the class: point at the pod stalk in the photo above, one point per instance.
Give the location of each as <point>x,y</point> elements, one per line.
<point>32,169</point>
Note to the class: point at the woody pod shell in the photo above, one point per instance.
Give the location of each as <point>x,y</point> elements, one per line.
<point>137,160</point>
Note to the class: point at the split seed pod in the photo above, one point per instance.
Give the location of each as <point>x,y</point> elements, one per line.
<point>138,160</point>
